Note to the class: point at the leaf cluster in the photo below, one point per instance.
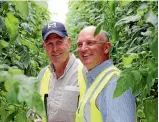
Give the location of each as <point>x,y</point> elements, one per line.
<point>18,93</point>
<point>21,58</point>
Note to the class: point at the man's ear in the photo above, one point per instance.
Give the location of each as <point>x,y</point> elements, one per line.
<point>69,41</point>
<point>107,47</point>
<point>43,44</point>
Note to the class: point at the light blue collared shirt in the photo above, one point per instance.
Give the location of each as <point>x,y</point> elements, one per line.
<point>120,109</point>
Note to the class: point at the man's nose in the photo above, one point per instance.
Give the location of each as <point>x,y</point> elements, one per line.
<point>54,47</point>
<point>84,46</point>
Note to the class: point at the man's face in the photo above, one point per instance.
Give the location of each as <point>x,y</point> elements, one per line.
<point>91,50</point>
<point>57,48</point>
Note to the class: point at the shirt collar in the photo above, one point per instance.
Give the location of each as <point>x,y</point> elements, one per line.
<point>68,66</point>
<point>91,75</point>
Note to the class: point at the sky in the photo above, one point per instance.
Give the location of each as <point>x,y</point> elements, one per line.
<point>58,9</point>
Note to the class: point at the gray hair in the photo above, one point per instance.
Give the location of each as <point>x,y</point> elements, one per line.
<point>105,35</point>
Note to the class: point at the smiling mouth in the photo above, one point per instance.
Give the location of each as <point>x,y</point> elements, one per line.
<point>86,55</point>
<point>56,55</point>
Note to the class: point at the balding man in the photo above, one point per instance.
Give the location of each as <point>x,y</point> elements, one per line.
<point>96,101</point>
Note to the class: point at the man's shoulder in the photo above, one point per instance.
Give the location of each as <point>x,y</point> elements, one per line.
<point>78,61</point>
<point>75,61</point>
<point>41,73</point>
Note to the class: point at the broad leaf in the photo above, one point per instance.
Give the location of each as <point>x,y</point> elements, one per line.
<point>23,94</point>
<point>123,3</point>
<point>128,19</point>
<point>3,112</point>
<point>9,82</point>
<point>4,44</point>
<point>128,79</point>
<point>35,101</point>
<point>15,71</point>
<point>3,76</point>
<point>10,117</point>
<point>151,18</point>
<point>127,59</point>
<point>21,117</point>
<point>12,94</point>
<point>42,3</point>
<point>98,29</point>
<point>12,25</point>
<point>29,44</point>
<point>140,113</point>
<point>133,49</point>
<point>154,46</point>
<point>150,109</point>
<point>22,7</point>
<point>2,24</point>
<point>123,83</point>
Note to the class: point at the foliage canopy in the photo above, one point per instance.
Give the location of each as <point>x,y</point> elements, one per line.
<point>21,57</point>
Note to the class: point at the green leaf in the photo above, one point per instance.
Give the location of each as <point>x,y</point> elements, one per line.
<point>128,58</point>
<point>4,44</point>
<point>21,117</point>
<point>128,19</point>
<point>139,82</point>
<point>12,95</point>
<point>142,9</point>
<point>29,44</point>
<point>9,82</point>
<point>128,79</point>
<point>2,23</point>
<point>125,2</point>
<point>123,83</point>
<point>15,71</point>
<point>26,28</point>
<point>12,25</point>
<point>35,101</point>
<point>151,18</point>
<point>10,117</point>
<point>3,112</point>
<point>140,113</point>
<point>98,29</point>
<point>133,49</point>
<point>136,74</point>
<point>42,3</point>
<point>154,46</point>
<point>150,109</point>
<point>144,71</point>
<point>22,7</point>
<point>3,76</point>
<point>152,75</point>
<point>23,93</point>
<point>147,33</point>
<point>25,59</point>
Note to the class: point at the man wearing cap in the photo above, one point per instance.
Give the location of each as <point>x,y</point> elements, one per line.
<point>58,81</point>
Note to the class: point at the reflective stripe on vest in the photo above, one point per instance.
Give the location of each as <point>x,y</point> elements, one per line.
<point>81,82</point>
<point>44,87</point>
<point>93,114</point>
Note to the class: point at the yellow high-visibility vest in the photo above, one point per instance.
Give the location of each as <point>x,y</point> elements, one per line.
<point>44,87</point>
<point>89,97</point>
